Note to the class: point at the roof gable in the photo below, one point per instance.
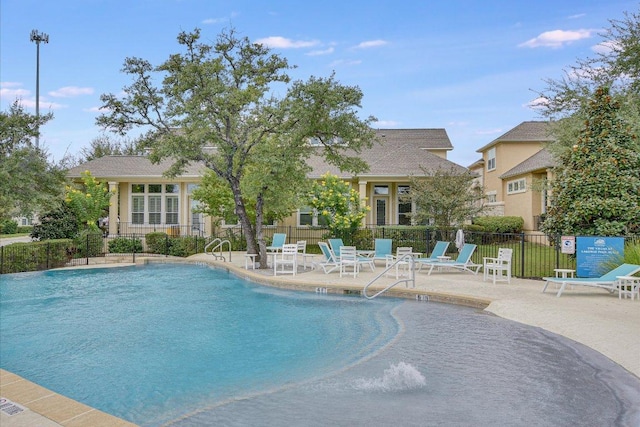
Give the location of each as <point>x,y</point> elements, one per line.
<point>543,159</point>
<point>531,131</point>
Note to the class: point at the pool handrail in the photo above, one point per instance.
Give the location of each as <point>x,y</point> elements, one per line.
<point>219,243</point>
<point>410,280</point>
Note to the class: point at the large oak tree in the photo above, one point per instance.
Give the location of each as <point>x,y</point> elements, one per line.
<point>219,104</point>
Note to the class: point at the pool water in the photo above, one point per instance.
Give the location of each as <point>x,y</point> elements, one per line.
<point>187,345</point>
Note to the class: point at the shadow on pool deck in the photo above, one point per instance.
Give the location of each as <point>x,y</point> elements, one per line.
<point>590,316</point>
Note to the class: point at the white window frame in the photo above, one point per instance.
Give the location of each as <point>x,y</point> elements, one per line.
<point>517,186</point>
<point>404,189</point>
<point>491,159</point>
<point>157,207</point>
<point>492,195</point>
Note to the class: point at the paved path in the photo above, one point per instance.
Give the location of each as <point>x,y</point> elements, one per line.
<point>8,240</point>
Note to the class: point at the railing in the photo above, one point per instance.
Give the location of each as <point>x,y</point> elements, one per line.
<point>410,280</point>
<point>218,243</point>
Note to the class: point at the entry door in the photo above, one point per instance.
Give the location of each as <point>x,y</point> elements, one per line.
<point>381,210</point>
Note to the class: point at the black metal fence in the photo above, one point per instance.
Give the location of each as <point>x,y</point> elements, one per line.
<point>534,255</point>
<point>94,248</point>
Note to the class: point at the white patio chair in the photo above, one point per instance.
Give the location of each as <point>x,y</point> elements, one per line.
<point>499,265</point>
<point>349,259</point>
<point>400,259</point>
<point>287,257</point>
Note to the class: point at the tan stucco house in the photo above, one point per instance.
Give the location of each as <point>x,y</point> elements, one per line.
<point>511,170</point>
<point>145,201</point>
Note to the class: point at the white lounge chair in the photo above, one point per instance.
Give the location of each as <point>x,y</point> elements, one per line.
<point>608,281</point>
<point>438,251</point>
<point>382,248</point>
<point>331,262</point>
<point>336,246</point>
<point>463,262</point>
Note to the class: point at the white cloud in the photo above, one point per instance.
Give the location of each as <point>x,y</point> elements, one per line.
<point>96,110</point>
<point>44,104</point>
<point>605,47</point>
<point>10,91</point>
<point>71,91</point>
<point>557,38</point>
<point>577,16</point>
<point>285,43</point>
<point>371,43</point>
<point>346,62</point>
<point>539,102</point>
<point>321,52</point>
<point>210,21</point>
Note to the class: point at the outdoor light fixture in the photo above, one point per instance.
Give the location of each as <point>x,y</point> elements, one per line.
<point>38,38</point>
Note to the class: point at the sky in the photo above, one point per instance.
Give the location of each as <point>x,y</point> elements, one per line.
<point>471,67</point>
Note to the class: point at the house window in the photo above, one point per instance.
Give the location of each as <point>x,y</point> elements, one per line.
<point>404,205</point>
<point>381,190</point>
<point>517,186</point>
<point>491,159</point>
<point>172,210</point>
<point>155,209</point>
<point>151,203</point>
<point>309,216</point>
<point>492,196</point>
<point>305,216</point>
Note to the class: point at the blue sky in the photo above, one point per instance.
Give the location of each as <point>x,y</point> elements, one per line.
<point>471,67</point>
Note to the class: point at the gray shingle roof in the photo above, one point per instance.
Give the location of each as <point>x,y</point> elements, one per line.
<point>532,131</point>
<point>541,160</point>
<point>398,152</point>
<point>130,166</point>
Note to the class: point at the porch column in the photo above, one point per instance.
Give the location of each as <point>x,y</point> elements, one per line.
<point>113,209</point>
<point>362,190</point>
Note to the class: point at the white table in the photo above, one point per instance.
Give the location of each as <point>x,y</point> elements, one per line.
<point>564,272</point>
<point>252,258</point>
<point>629,286</point>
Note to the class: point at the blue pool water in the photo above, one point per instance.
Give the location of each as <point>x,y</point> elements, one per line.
<point>186,345</point>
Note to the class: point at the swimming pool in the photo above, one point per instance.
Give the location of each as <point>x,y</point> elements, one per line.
<point>187,345</point>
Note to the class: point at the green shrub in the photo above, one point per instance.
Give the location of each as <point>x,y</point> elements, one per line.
<point>186,246</point>
<point>125,245</point>
<point>158,243</point>
<point>500,224</point>
<point>35,256</point>
<point>60,223</point>
<point>89,244</point>
<point>25,229</point>
<point>8,226</point>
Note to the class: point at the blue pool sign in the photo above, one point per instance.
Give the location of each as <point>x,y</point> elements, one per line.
<point>593,251</point>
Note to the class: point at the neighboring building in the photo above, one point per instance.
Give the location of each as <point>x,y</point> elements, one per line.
<point>146,201</point>
<point>512,169</point>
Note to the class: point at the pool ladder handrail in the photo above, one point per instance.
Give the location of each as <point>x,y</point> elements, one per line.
<point>411,280</point>
<point>219,243</point>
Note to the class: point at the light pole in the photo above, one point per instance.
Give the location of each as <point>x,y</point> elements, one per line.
<point>37,38</point>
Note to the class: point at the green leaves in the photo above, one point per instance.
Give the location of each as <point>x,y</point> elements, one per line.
<point>597,189</point>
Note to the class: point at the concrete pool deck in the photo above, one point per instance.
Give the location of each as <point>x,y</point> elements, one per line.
<point>592,317</point>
